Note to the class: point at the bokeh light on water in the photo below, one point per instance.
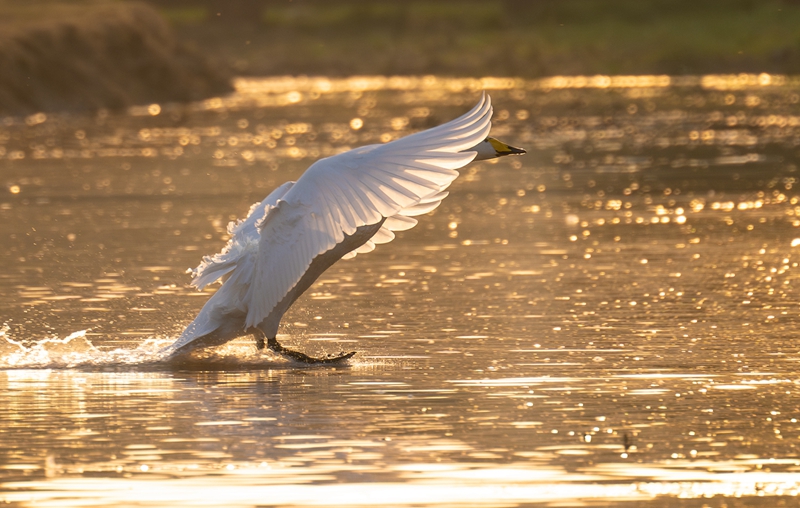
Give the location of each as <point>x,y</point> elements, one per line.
<point>611,317</point>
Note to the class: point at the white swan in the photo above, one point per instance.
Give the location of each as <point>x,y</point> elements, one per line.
<point>341,206</point>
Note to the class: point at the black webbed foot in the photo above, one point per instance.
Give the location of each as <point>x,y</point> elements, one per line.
<point>276,347</point>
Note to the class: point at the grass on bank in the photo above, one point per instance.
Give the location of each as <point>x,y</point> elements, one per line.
<point>504,37</point>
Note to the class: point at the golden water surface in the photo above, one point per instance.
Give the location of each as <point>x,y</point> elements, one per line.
<point>610,319</point>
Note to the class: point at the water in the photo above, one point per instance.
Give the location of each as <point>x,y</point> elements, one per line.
<point>611,318</point>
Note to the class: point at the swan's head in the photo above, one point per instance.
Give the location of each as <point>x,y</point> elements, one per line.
<point>491,148</point>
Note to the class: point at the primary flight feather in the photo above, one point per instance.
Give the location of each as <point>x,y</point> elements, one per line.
<point>341,206</point>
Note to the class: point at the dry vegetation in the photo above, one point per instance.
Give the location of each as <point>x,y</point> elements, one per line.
<point>96,55</point>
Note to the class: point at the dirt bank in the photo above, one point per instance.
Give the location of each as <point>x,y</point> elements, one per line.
<point>99,56</point>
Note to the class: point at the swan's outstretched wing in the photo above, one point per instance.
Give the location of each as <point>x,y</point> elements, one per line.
<point>243,242</point>
<point>361,187</point>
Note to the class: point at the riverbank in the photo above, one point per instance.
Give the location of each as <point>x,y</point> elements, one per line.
<point>90,54</point>
<point>493,37</point>
<point>96,55</point>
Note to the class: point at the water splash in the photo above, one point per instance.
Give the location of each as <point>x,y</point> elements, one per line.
<point>77,351</point>
<point>74,351</point>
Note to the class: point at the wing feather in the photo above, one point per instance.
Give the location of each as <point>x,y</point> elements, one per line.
<point>399,223</point>
<point>368,246</point>
<point>354,199</point>
<point>340,211</point>
<point>384,235</point>
<point>419,209</point>
<point>339,194</point>
<point>243,242</point>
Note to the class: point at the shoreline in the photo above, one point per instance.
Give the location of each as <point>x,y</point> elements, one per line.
<point>110,56</point>
<point>494,37</point>
<point>102,54</point>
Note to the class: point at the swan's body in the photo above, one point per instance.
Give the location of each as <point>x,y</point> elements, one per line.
<point>341,206</point>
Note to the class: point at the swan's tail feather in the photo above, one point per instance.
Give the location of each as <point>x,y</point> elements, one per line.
<point>192,336</point>
<point>210,328</point>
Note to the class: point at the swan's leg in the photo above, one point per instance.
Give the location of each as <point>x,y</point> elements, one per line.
<point>268,327</point>
<point>259,340</point>
<point>275,346</point>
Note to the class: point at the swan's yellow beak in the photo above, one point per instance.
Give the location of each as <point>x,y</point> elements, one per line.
<point>504,149</point>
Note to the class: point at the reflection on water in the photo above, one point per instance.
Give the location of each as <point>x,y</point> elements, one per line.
<point>610,318</point>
